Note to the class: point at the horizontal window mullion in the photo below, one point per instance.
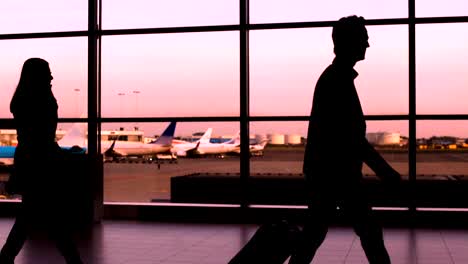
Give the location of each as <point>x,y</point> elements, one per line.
<point>169,119</point>
<point>442,117</point>
<point>306,118</point>
<point>367,117</point>
<point>278,118</point>
<point>139,31</point>
<point>219,28</point>
<point>318,24</point>
<point>439,20</point>
<point>5,122</point>
<point>65,34</point>
<point>372,22</point>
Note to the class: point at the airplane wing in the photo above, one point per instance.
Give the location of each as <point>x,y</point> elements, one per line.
<point>193,151</point>
<point>111,152</point>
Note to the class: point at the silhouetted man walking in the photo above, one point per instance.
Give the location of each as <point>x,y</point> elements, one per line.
<point>337,147</point>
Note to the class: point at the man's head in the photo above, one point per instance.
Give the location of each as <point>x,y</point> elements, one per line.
<point>350,38</point>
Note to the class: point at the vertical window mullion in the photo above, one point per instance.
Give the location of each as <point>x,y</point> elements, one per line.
<point>93,140</point>
<point>412,98</point>
<point>98,69</point>
<point>244,100</point>
<point>92,77</point>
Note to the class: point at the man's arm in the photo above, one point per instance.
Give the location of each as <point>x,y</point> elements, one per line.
<point>378,164</point>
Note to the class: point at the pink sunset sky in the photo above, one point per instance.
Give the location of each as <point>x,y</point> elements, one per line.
<point>197,74</point>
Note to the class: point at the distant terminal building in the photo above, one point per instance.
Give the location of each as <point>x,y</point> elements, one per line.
<point>441,142</point>
<point>122,135</point>
<point>8,137</point>
<point>384,138</point>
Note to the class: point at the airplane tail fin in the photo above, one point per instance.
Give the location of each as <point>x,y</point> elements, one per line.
<point>75,136</point>
<point>206,137</point>
<point>167,135</point>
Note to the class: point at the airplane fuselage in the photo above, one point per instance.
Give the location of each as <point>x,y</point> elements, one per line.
<point>126,148</point>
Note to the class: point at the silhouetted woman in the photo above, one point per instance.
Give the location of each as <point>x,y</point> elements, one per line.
<point>36,163</point>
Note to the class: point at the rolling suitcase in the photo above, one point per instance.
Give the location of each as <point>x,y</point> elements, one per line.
<point>271,244</point>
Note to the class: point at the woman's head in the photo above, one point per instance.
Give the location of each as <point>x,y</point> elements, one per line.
<point>34,83</point>
<point>35,72</point>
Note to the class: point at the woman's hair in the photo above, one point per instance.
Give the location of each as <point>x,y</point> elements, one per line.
<point>34,83</point>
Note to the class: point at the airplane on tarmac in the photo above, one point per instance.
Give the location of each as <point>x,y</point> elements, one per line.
<point>184,148</point>
<point>255,149</point>
<point>76,137</point>
<point>116,148</point>
<point>127,148</point>
<point>204,146</point>
<point>6,155</point>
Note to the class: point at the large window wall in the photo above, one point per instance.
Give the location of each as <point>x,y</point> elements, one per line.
<point>248,66</point>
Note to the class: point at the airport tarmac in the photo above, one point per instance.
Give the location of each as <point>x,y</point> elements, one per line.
<point>143,182</point>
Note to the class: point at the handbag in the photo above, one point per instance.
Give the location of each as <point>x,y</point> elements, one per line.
<point>15,183</point>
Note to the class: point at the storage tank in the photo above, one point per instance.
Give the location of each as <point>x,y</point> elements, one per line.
<point>276,139</point>
<point>390,138</point>
<point>293,139</point>
<point>383,138</point>
<point>373,137</point>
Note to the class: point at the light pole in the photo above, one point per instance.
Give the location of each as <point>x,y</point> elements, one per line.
<point>136,93</point>
<point>121,95</point>
<point>77,101</point>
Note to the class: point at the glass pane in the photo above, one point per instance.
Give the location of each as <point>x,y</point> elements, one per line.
<point>286,64</point>
<point>442,63</point>
<point>23,16</point>
<point>435,8</point>
<point>284,149</point>
<point>159,13</point>
<point>282,159</point>
<point>68,62</point>
<point>131,175</point>
<point>271,11</point>
<point>193,74</point>
<point>276,159</point>
<point>441,163</point>
<point>442,148</point>
<point>72,135</point>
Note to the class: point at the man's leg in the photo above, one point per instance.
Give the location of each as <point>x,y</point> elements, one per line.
<point>367,228</point>
<point>60,232</point>
<point>313,233</point>
<point>67,247</point>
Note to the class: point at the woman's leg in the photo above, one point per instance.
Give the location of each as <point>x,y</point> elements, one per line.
<point>15,240</point>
